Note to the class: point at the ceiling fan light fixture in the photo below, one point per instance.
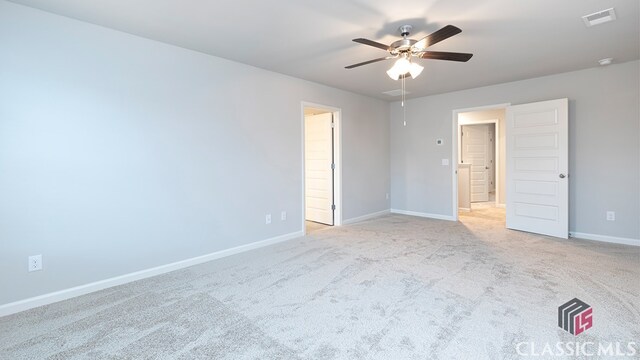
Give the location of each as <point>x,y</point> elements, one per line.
<point>405,49</point>
<point>403,66</point>
<point>393,74</point>
<point>415,70</point>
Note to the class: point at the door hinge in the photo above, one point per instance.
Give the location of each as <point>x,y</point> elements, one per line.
<point>333,207</point>
<point>333,125</point>
<point>333,166</point>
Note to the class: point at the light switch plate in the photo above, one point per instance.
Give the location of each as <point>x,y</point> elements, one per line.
<point>611,216</point>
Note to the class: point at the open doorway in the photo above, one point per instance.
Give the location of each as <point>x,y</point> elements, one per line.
<point>321,165</point>
<point>532,182</point>
<point>477,154</point>
<point>480,153</point>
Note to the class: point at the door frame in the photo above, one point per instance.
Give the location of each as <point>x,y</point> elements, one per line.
<point>455,146</point>
<point>496,147</point>
<point>337,160</point>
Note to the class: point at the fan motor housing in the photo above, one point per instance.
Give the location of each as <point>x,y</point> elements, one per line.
<point>402,45</point>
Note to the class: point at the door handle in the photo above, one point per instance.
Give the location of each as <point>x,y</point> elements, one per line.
<point>562,176</point>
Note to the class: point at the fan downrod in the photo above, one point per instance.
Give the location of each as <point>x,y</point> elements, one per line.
<point>405,30</point>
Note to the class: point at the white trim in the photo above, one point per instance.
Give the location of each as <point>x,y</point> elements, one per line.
<point>337,157</point>
<point>605,238</point>
<point>477,122</point>
<point>26,304</point>
<point>503,206</point>
<point>425,215</point>
<point>365,217</point>
<point>464,209</point>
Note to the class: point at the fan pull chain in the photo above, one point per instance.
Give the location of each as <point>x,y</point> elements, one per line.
<point>404,109</point>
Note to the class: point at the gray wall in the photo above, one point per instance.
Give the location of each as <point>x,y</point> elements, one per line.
<point>604,143</point>
<point>118,153</point>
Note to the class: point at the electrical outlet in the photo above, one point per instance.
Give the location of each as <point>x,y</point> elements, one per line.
<point>267,219</point>
<point>283,216</point>
<point>35,262</point>
<point>611,216</point>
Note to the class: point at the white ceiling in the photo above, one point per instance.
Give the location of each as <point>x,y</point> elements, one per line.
<point>311,39</point>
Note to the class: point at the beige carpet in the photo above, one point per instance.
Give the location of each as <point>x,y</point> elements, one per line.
<point>312,226</point>
<point>396,287</point>
<point>487,213</point>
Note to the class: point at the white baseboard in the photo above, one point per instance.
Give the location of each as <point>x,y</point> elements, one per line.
<point>425,215</point>
<point>464,209</point>
<point>364,217</point>
<point>498,205</point>
<point>605,238</point>
<point>26,304</point>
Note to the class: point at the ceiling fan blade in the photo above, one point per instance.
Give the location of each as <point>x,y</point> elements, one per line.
<point>372,43</point>
<point>443,55</point>
<point>434,38</point>
<point>369,62</point>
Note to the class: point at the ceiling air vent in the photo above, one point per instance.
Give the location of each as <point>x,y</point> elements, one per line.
<point>396,92</point>
<point>599,17</point>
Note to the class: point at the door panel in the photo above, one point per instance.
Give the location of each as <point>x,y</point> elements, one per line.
<point>539,165</point>
<point>475,143</point>
<point>318,156</point>
<point>537,168</point>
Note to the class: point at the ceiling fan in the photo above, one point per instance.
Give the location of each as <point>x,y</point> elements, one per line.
<point>405,49</point>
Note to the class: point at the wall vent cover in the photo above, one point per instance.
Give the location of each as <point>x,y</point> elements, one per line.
<point>396,92</point>
<point>599,17</point>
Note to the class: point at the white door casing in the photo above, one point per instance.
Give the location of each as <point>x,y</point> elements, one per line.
<point>318,155</point>
<point>491,155</point>
<point>537,168</point>
<point>475,143</point>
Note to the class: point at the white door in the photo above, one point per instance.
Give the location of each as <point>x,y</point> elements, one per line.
<point>318,160</point>
<point>475,142</point>
<point>537,168</point>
